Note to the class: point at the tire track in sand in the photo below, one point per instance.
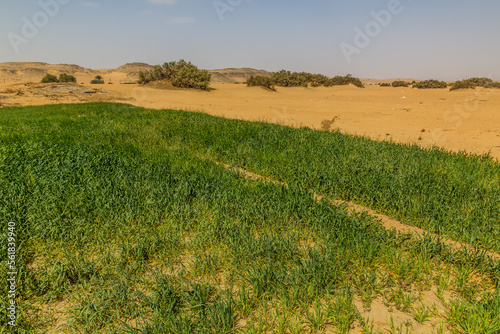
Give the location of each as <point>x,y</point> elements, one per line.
<point>387,222</point>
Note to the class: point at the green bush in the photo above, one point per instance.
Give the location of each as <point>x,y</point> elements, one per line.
<point>480,82</point>
<point>385,84</point>
<point>49,78</point>
<point>430,84</point>
<point>319,80</point>
<point>464,84</point>
<point>475,82</point>
<point>400,83</point>
<point>66,78</point>
<point>285,78</point>
<point>97,81</point>
<point>181,74</point>
<point>345,80</point>
<point>262,81</point>
<point>493,85</point>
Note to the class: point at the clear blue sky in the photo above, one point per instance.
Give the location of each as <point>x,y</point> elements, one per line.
<point>444,39</point>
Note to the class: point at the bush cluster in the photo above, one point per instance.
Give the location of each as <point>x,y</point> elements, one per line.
<point>495,84</point>
<point>480,82</point>
<point>463,84</point>
<point>66,78</point>
<point>345,80</point>
<point>385,84</point>
<point>97,81</point>
<point>181,74</point>
<point>475,82</point>
<point>62,78</point>
<point>285,78</point>
<point>430,84</point>
<point>400,83</point>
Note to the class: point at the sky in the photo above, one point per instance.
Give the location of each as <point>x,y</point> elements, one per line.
<point>420,39</point>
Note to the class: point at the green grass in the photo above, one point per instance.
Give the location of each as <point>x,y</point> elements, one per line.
<point>125,218</point>
<point>452,194</point>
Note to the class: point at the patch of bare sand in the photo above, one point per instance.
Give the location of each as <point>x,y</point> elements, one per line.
<point>42,94</point>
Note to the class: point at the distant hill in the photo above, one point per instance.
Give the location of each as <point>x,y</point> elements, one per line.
<point>34,72</point>
<point>132,69</point>
<point>23,72</point>
<point>235,75</point>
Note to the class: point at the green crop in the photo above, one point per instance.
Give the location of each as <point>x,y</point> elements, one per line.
<point>127,223</point>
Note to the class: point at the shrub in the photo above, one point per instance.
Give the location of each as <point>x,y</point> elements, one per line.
<point>326,124</point>
<point>181,74</point>
<point>430,84</point>
<point>291,79</point>
<point>319,80</point>
<point>97,81</point>
<point>385,84</point>
<point>400,83</point>
<point>262,81</point>
<point>66,78</point>
<point>464,84</point>
<point>480,82</point>
<point>285,78</point>
<point>143,78</point>
<point>186,75</point>
<point>495,84</point>
<point>346,80</point>
<point>49,78</point>
<point>475,82</point>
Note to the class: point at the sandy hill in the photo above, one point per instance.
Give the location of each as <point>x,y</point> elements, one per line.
<point>24,72</point>
<point>235,75</point>
<point>34,72</point>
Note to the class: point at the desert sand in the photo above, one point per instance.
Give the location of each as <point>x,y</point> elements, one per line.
<point>463,120</point>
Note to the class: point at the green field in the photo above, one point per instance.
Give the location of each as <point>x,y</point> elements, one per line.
<point>126,222</point>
